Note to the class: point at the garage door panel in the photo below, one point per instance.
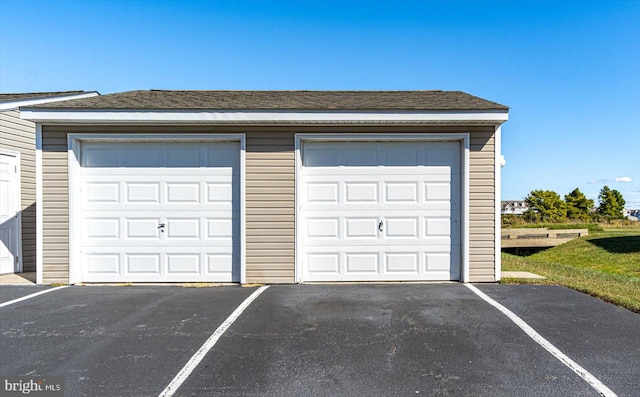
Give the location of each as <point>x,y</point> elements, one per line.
<point>401,227</point>
<point>363,193</point>
<point>142,174</point>
<point>402,262</point>
<point>437,173</point>
<point>437,261</point>
<point>380,263</point>
<point>400,155</point>
<point>381,211</point>
<point>436,226</point>
<point>153,266</point>
<point>161,212</point>
<point>100,264</point>
<point>181,263</point>
<point>360,192</point>
<point>102,192</point>
<point>221,192</point>
<point>401,192</point>
<point>387,154</point>
<point>158,154</point>
<point>102,228</point>
<point>137,228</point>
<point>142,193</point>
<point>323,227</point>
<point>444,155</point>
<point>219,264</point>
<point>352,225</point>
<point>361,263</point>
<point>434,191</point>
<point>222,227</point>
<point>360,227</point>
<point>322,193</point>
<point>142,264</point>
<point>182,228</point>
<point>183,192</point>
<point>223,155</point>
<point>320,155</point>
<point>323,264</point>
<point>102,155</point>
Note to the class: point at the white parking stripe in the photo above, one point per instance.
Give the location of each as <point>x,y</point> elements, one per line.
<point>575,367</point>
<point>202,352</point>
<point>24,298</point>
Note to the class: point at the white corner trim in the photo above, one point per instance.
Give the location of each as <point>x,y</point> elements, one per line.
<point>497,196</point>
<point>39,224</point>
<point>75,220</point>
<point>463,138</point>
<point>207,116</point>
<point>297,211</point>
<point>38,101</point>
<point>466,208</point>
<point>243,209</point>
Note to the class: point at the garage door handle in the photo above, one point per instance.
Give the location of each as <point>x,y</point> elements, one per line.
<point>161,227</point>
<point>380,225</point>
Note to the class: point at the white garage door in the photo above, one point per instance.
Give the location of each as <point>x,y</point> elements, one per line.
<point>160,212</point>
<point>381,211</point>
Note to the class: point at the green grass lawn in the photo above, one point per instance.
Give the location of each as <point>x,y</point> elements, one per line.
<point>605,264</point>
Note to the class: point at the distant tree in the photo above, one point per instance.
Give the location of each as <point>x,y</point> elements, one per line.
<point>547,205</point>
<point>578,205</point>
<point>611,203</point>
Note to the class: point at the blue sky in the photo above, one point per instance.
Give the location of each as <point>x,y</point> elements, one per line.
<point>569,70</point>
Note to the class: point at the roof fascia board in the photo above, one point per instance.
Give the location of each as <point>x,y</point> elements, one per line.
<point>41,100</point>
<point>193,116</point>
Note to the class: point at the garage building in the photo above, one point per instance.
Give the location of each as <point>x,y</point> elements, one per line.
<point>268,187</point>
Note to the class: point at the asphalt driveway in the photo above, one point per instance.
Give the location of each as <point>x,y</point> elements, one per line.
<point>429,339</point>
<point>11,292</point>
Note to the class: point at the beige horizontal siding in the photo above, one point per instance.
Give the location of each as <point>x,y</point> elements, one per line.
<point>270,196</point>
<point>55,208</point>
<point>269,181</point>
<point>270,207</point>
<point>20,136</point>
<point>482,206</point>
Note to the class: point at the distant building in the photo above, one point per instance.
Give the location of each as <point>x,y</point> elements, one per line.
<point>514,207</point>
<point>630,214</point>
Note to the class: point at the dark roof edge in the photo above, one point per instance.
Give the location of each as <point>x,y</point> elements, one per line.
<point>44,94</point>
<point>14,101</point>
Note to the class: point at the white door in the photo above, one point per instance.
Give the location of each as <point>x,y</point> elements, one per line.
<point>9,213</point>
<point>381,211</point>
<point>160,212</point>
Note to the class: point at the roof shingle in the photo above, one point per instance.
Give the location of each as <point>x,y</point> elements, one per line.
<point>35,95</point>
<point>281,100</point>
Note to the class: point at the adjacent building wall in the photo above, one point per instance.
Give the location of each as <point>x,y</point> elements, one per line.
<point>19,136</point>
<point>270,200</point>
